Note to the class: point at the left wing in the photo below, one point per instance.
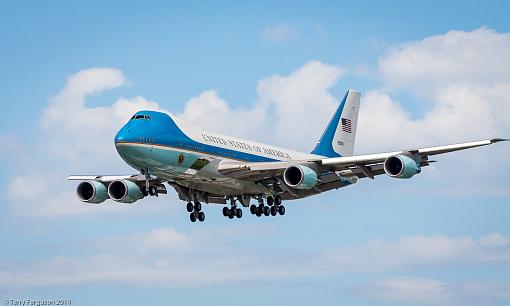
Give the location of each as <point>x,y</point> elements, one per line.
<point>368,165</point>
<point>120,188</point>
<point>107,178</point>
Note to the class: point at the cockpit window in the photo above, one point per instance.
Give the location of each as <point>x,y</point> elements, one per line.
<point>136,117</point>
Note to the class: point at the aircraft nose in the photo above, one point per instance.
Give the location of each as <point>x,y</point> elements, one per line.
<point>123,135</point>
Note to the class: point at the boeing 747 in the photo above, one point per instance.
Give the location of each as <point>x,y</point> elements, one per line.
<point>206,167</point>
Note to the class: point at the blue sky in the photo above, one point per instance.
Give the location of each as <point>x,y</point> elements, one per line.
<point>434,73</point>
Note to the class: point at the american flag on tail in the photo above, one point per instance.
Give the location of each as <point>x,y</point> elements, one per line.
<point>346,125</point>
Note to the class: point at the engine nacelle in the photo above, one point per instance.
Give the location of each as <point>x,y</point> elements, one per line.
<point>124,191</point>
<point>401,166</point>
<point>92,192</point>
<point>300,177</point>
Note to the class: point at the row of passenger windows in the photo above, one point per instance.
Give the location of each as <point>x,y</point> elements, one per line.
<point>136,117</point>
<point>147,139</point>
<point>185,145</point>
<point>220,152</point>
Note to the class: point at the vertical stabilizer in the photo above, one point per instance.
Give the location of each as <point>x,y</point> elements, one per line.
<point>338,138</point>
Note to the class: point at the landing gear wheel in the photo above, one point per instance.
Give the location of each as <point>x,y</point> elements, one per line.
<point>239,213</point>
<point>258,212</point>
<point>261,208</point>
<point>274,211</point>
<point>278,200</point>
<point>230,216</point>
<point>153,191</point>
<point>189,207</point>
<point>192,217</point>
<point>201,216</point>
<point>226,211</point>
<point>253,209</point>
<point>266,210</point>
<point>270,201</point>
<point>198,206</point>
<point>281,210</point>
<point>233,211</point>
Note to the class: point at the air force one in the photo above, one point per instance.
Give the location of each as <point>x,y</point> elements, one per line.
<point>205,167</point>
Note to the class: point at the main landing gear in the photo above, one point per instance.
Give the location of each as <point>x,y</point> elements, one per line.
<point>195,211</point>
<point>233,211</point>
<point>274,207</point>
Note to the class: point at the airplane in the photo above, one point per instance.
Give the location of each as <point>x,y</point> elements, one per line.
<point>207,167</point>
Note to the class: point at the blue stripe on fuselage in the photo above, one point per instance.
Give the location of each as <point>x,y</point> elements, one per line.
<point>160,129</point>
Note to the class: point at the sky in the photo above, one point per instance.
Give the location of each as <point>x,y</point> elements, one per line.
<point>430,73</point>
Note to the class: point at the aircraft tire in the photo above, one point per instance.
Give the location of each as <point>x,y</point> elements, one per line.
<point>281,210</point>
<point>226,211</point>
<point>274,210</point>
<point>198,206</point>
<point>153,191</point>
<point>230,216</point>
<point>239,213</point>
<point>253,209</point>
<point>278,200</point>
<point>192,217</point>
<point>189,207</point>
<point>270,201</point>
<point>201,216</point>
<point>266,211</point>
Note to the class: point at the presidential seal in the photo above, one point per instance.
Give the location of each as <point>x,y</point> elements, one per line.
<point>180,159</point>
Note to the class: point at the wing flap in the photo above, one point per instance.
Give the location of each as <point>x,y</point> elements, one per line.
<point>253,170</point>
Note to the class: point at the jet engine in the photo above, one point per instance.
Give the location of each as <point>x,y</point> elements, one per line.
<point>124,191</point>
<point>92,192</point>
<point>401,166</point>
<point>300,177</point>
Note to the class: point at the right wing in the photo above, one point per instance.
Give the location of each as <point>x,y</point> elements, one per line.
<point>368,165</point>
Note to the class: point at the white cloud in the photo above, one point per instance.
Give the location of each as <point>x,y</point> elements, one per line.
<point>209,111</point>
<point>48,195</point>
<point>422,291</point>
<point>461,77</point>
<point>176,259</point>
<point>280,32</point>
<point>82,134</point>
<point>290,110</point>
<point>479,57</point>
<point>409,290</point>
<point>418,250</point>
<point>75,138</point>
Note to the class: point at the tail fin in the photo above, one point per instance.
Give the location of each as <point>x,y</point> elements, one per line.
<point>338,138</point>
